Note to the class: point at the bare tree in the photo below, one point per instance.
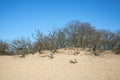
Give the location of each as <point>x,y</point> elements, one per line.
<point>22,46</point>
<point>46,43</point>
<point>72,34</point>
<point>4,47</point>
<point>117,42</point>
<point>38,44</point>
<point>53,41</point>
<point>61,38</point>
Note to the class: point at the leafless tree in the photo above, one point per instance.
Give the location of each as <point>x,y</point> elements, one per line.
<point>53,41</point>
<point>117,42</point>
<point>61,38</point>
<point>4,47</point>
<point>22,46</point>
<point>38,44</point>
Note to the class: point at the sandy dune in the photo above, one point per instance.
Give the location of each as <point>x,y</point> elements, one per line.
<point>40,67</point>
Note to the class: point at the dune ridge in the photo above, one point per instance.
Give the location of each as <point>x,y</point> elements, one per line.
<point>41,67</point>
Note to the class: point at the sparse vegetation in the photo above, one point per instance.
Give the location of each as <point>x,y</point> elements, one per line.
<point>74,35</point>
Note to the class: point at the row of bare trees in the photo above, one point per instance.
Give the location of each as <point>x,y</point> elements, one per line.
<point>74,34</point>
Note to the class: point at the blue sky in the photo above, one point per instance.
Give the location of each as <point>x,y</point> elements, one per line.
<point>22,17</point>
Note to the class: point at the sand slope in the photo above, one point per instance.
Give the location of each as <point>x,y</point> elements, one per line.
<point>40,67</point>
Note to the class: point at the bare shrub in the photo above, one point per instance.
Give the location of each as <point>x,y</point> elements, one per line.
<point>22,46</point>
<point>4,47</point>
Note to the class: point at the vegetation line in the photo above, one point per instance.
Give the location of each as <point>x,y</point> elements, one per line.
<point>75,34</point>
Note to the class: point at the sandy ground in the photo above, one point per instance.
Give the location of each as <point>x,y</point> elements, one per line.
<point>41,67</point>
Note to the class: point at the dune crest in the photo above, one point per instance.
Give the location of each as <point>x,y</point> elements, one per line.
<point>41,67</point>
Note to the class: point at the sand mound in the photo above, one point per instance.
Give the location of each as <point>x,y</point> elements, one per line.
<point>41,67</point>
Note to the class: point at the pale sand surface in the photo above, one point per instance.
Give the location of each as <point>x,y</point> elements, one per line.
<point>40,67</point>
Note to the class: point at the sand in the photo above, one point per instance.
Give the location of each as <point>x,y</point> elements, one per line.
<point>41,67</point>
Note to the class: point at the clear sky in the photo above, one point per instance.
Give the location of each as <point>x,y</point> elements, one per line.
<point>21,17</point>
